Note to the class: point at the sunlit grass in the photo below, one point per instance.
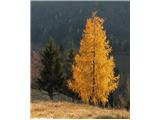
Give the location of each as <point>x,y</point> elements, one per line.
<point>49,109</point>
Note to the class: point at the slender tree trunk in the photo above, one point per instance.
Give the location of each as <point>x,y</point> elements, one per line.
<point>50,93</point>
<point>93,68</point>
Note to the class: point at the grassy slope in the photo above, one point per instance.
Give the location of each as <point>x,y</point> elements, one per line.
<point>66,109</point>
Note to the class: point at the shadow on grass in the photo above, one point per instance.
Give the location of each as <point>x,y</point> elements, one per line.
<point>37,95</point>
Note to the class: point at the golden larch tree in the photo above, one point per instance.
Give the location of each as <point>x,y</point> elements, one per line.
<point>93,71</point>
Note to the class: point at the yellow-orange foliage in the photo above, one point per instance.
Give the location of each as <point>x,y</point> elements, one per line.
<point>93,70</point>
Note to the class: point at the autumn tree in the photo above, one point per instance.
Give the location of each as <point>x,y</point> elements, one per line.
<point>93,71</point>
<point>51,73</point>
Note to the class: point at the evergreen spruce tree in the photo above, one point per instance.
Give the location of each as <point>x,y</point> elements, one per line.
<point>70,60</point>
<point>63,63</point>
<point>51,72</point>
<point>93,71</point>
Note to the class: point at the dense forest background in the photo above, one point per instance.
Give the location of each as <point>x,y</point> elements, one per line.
<point>65,22</point>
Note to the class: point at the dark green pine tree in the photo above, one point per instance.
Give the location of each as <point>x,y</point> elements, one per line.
<point>63,63</point>
<point>68,69</point>
<point>66,60</point>
<point>51,73</point>
<point>70,60</point>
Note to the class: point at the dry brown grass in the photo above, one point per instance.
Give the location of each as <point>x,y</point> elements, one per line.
<point>63,107</point>
<point>50,109</point>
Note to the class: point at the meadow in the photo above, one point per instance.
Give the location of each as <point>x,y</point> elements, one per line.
<point>62,107</point>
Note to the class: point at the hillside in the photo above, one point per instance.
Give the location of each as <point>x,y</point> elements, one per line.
<point>73,111</point>
<point>42,107</point>
<point>65,21</point>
